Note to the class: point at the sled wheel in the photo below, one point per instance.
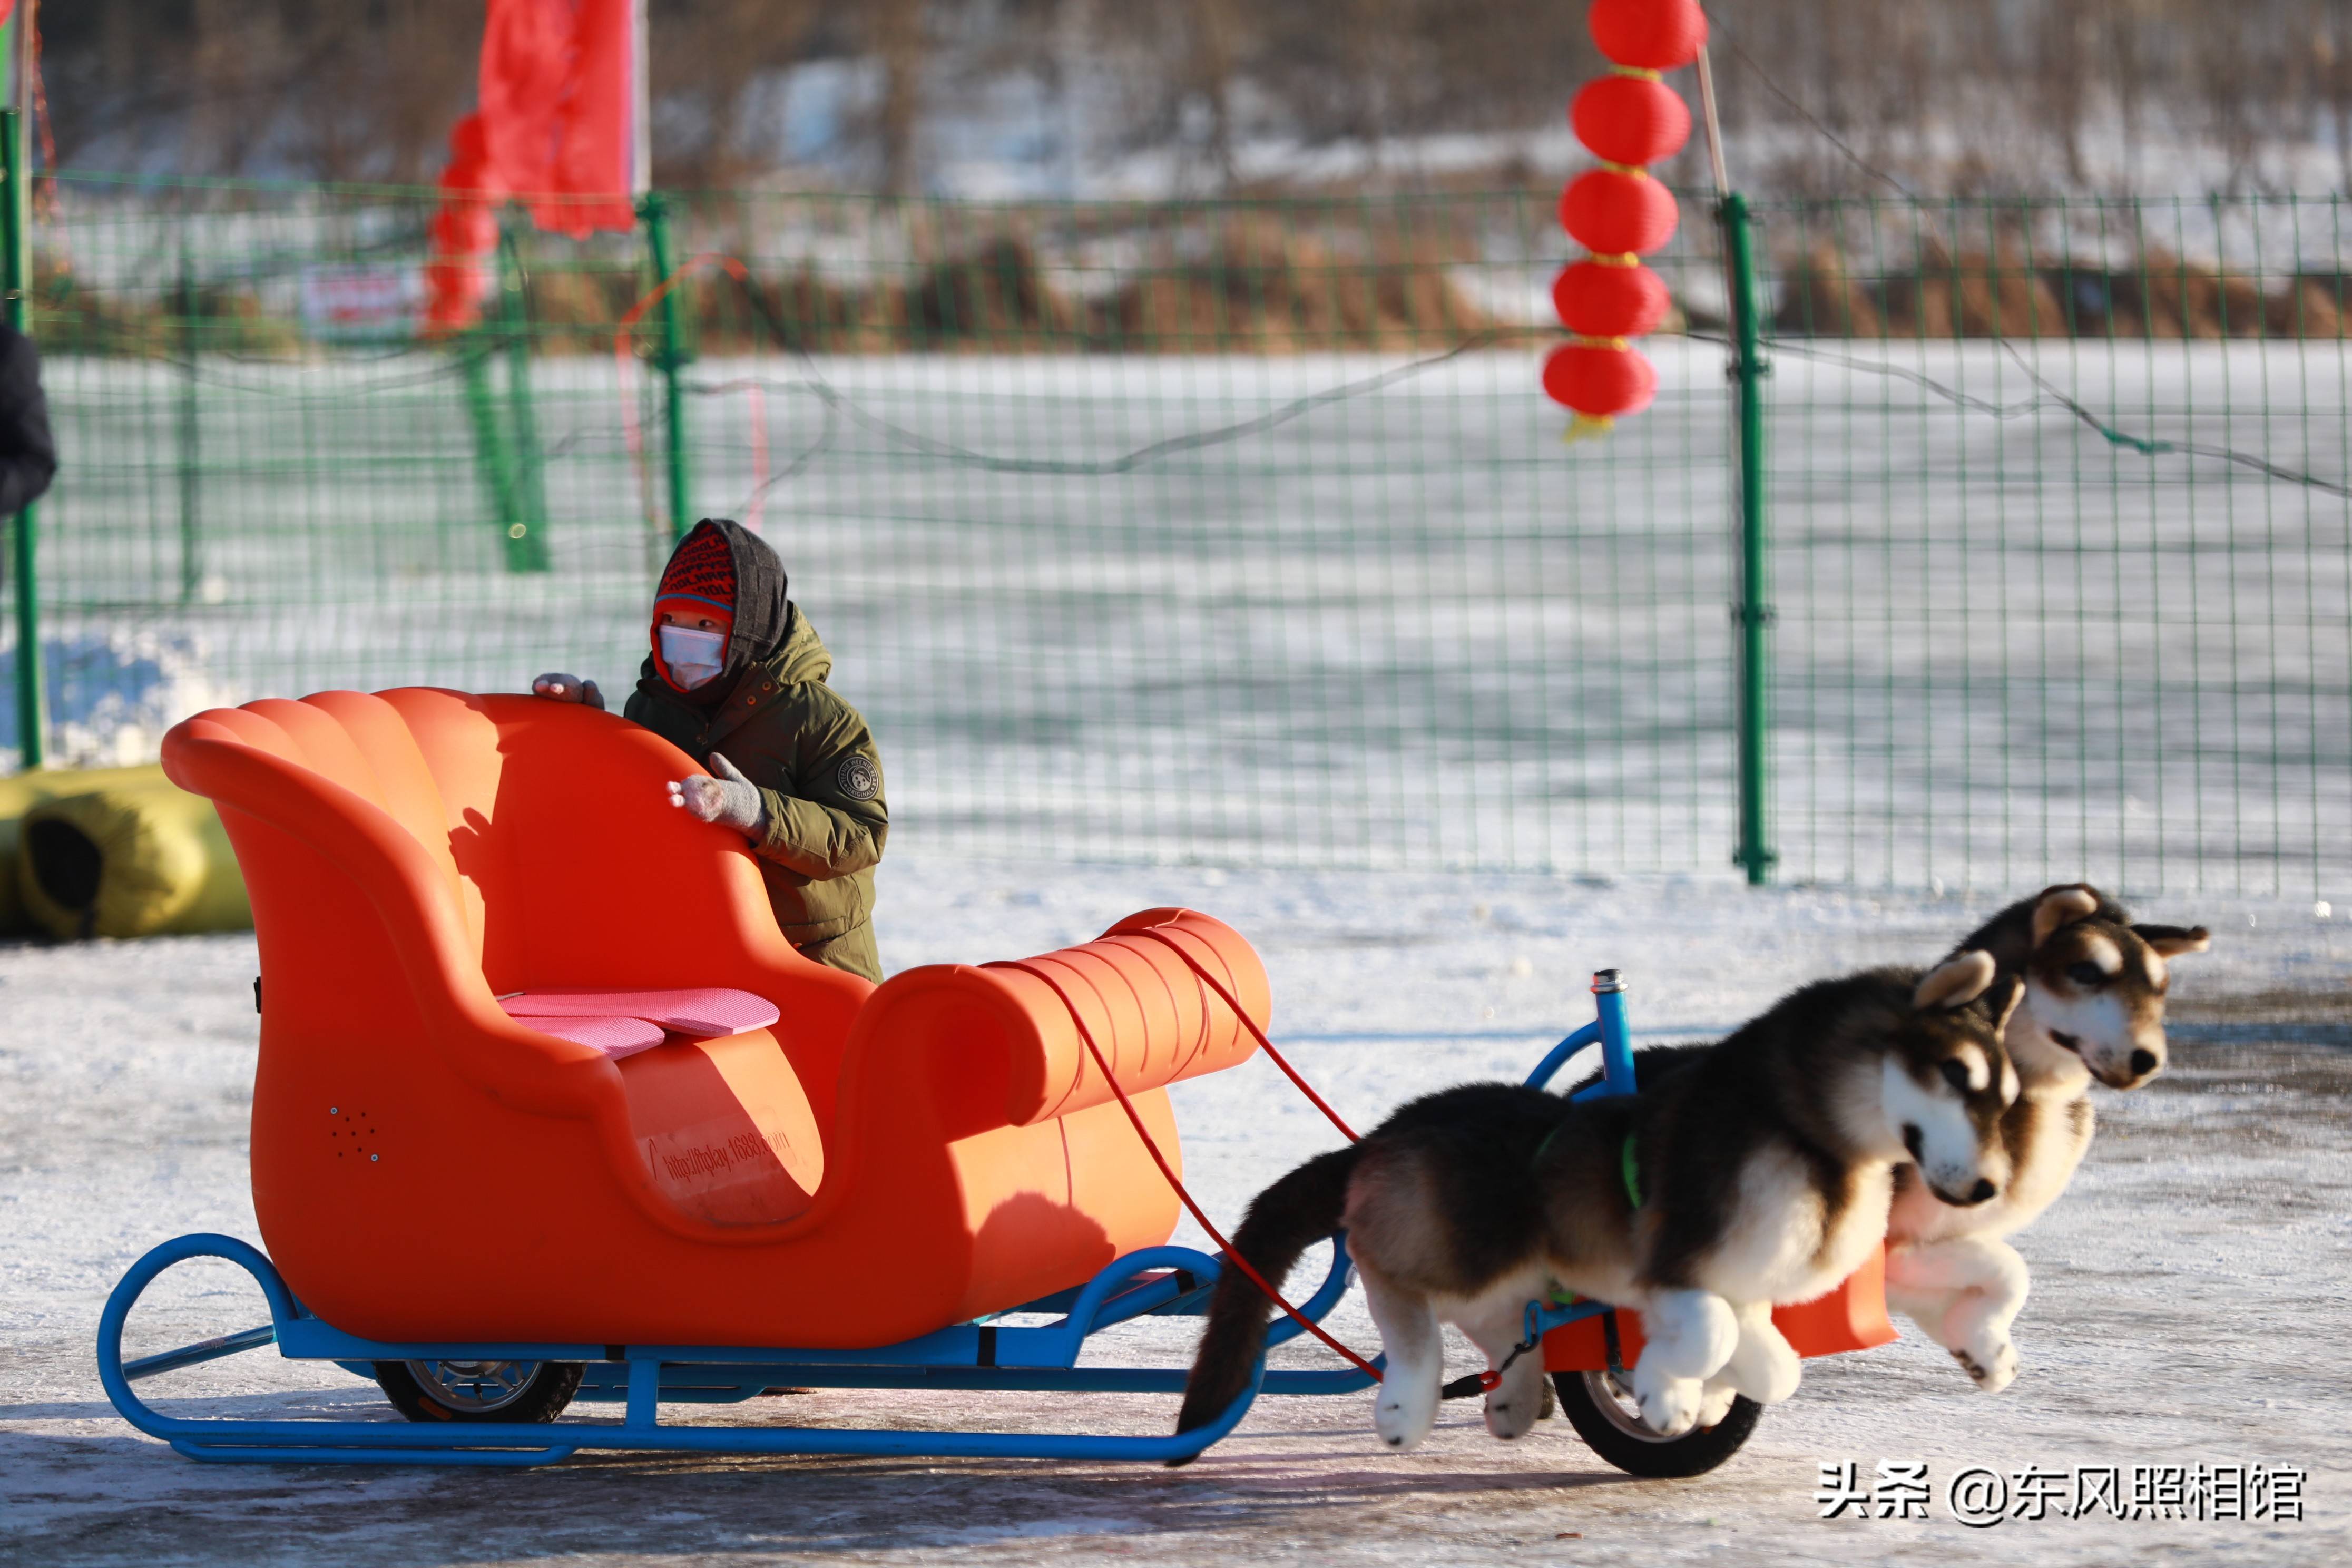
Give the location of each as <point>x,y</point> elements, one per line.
<point>518,1390</point>
<point>1606,1417</point>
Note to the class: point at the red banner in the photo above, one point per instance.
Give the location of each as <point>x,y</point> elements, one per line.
<point>559,126</point>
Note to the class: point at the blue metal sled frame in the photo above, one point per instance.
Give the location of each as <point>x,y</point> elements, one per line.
<point>987,1355</point>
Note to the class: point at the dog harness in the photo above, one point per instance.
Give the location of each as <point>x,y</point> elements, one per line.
<point>1629,1167</point>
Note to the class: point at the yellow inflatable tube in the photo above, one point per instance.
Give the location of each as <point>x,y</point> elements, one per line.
<point>117,852</point>
<point>17,795</point>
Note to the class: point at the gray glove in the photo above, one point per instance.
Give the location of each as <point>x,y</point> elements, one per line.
<point>730,799</point>
<point>559,688</point>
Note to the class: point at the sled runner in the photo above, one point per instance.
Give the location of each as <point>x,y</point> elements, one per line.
<point>548,1111</point>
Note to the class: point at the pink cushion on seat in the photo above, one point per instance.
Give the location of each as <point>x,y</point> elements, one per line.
<point>702,1011</point>
<point>616,1037</point>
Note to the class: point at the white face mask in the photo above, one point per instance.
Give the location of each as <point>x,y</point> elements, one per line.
<point>695,658</point>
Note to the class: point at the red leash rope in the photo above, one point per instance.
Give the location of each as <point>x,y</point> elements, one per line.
<point>1223,1246</point>
<point>1173,945</point>
<point>1486,1380</point>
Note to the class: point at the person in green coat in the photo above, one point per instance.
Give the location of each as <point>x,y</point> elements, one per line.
<point>736,674</point>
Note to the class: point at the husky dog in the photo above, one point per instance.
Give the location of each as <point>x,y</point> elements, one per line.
<point>1763,1172</point>
<point>2095,987</point>
<point>2093,1007</point>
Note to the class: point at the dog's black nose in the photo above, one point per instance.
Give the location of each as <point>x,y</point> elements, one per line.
<point>1911,1140</point>
<point>1982,1192</point>
<point>2143,1063</point>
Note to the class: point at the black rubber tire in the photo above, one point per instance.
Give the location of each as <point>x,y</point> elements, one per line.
<point>544,1393</point>
<point>1640,1454</point>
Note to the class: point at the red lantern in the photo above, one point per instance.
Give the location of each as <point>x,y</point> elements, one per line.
<point>1613,212</point>
<point>1600,380</point>
<point>1648,35</point>
<point>1601,299</point>
<point>1631,118</point>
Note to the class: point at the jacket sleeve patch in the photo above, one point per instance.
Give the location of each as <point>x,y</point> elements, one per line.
<point>858,778</point>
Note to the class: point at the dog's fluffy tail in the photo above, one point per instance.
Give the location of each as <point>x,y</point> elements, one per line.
<point>1282,1221</point>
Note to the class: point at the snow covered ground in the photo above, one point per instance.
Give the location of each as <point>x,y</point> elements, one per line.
<point>2189,1303</point>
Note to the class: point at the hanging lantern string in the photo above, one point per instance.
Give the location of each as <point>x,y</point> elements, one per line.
<point>1628,120</point>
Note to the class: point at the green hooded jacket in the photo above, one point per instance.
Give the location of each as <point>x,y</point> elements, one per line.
<point>817,769</point>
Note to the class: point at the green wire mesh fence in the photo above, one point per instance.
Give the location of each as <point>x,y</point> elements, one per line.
<point>2061,542</point>
<point>1240,532</point>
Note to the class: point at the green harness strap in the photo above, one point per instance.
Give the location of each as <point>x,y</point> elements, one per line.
<point>1629,1169</point>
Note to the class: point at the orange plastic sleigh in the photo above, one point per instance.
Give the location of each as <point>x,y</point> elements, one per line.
<point>693,1147</point>
<point>547,1110</point>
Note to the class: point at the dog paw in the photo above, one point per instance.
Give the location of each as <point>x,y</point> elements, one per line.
<point>1672,1407</point>
<point>1513,1411</point>
<point>1782,1370</point>
<point>1993,1363</point>
<point>1765,1367</point>
<point>1716,1404</point>
<point>1402,1421</point>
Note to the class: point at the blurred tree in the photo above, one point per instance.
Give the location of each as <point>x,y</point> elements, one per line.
<point>2010,94</point>
<point>898,40</point>
<point>348,93</point>
<point>2331,56</point>
<point>708,56</point>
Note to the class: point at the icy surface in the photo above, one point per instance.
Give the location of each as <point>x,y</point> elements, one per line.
<point>1407,630</point>
<point>2190,1301</point>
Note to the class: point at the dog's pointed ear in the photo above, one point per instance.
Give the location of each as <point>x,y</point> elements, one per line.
<point>2171,941</point>
<point>2062,907</point>
<point>1955,982</point>
<point>2002,1000</point>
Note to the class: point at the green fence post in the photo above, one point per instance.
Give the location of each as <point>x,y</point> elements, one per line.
<point>669,362</point>
<point>526,525</point>
<point>16,264</point>
<point>494,447</point>
<point>492,457</point>
<point>1755,854</point>
<point>190,432</point>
